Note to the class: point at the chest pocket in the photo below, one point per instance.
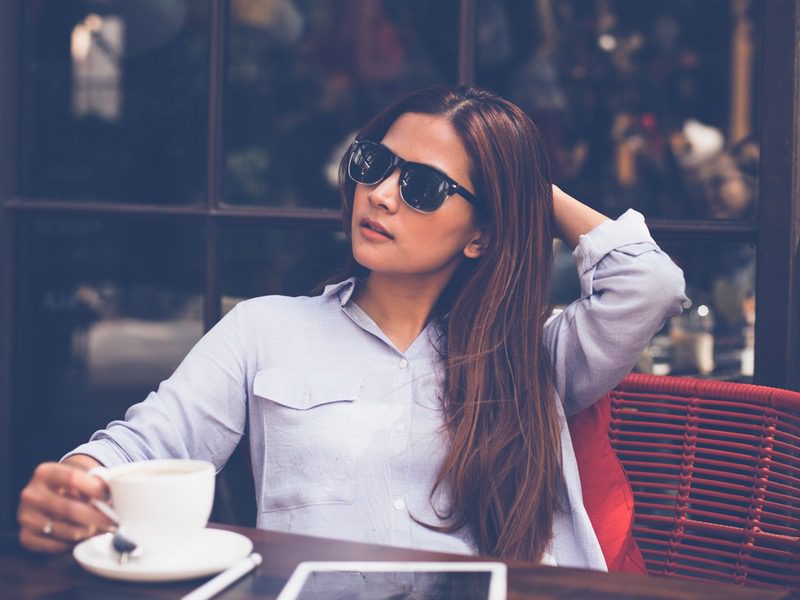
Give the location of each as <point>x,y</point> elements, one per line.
<point>307,420</point>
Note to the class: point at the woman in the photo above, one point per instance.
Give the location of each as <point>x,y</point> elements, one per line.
<point>421,402</point>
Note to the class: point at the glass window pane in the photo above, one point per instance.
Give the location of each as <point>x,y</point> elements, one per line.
<point>104,310</point>
<point>257,261</point>
<point>650,105</point>
<point>302,76</point>
<point>714,336</point>
<point>115,101</point>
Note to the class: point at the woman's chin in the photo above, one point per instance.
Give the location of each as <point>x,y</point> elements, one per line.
<point>367,259</point>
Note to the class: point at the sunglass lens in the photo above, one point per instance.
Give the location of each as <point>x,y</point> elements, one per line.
<point>368,163</point>
<point>421,188</point>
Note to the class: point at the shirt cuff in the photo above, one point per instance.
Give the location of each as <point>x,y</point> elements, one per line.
<point>104,453</point>
<point>627,230</point>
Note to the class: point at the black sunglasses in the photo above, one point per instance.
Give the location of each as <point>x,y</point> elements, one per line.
<point>422,187</point>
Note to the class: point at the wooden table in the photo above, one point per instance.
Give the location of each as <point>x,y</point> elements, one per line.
<point>25,575</point>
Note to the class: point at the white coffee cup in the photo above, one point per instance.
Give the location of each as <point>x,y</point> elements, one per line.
<point>161,505</point>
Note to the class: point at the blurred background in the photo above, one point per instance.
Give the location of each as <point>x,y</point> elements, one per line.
<point>163,159</point>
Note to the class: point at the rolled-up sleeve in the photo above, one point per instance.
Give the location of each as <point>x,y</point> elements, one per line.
<point>629,287</point>
<point>199,412</point>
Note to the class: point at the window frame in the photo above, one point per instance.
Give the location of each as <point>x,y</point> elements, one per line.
<point>775,231</point>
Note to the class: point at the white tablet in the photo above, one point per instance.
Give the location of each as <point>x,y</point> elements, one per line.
<point>396,580</point>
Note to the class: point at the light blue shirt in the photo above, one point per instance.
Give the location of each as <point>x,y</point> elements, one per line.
<point>346,432</point>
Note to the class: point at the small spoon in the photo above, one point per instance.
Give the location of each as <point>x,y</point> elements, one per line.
<point>121,544</point>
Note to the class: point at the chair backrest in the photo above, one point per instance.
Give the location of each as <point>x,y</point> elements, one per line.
<point>715,472</point>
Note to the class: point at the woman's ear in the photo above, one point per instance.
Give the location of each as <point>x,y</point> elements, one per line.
<point>477,245</point>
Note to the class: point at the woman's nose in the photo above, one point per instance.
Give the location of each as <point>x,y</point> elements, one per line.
<point>386,194</point>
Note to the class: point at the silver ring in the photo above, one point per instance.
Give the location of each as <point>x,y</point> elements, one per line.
<point>48,527</point>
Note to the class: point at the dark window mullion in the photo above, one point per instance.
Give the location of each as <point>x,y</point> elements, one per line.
<point>9,86</point>
<point>270,213</point>
<point>211,295</point>
<point>6,326</point>
<point>467,32</point>
<point>102,207</point>
<point>216,76</point>
<point>778,297</point>
<point>23,84</point>
<point>717,230</point>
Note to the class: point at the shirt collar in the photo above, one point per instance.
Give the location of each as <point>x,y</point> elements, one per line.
<point>344,290</point>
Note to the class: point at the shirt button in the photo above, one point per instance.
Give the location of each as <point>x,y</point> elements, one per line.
<point>305,395</point>
<point>399,504</point>
<point>401,427</point>
<point>403,363</point>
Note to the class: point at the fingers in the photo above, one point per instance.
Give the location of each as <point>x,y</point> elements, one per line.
<point>76,481</point>
<point>74,484</point>
<point>39,542</point>
<point>63,508</point>
<point>50,535</point>
<point>54,511</point>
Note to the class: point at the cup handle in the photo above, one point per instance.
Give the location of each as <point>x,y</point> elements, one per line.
<point>103,507</point>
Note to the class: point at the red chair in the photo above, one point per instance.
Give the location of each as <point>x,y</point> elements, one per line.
<point>715,473</point>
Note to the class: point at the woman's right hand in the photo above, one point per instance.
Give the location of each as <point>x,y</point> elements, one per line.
<point>55,510</point>
<point>572,218</point>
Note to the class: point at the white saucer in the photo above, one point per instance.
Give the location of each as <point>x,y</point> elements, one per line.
<point>213,551</point>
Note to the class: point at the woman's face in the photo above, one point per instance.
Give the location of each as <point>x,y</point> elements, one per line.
<point>425,244</point>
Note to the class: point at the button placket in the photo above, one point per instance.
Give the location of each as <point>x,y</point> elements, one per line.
<point>403,402</point>
<point>399,430</point>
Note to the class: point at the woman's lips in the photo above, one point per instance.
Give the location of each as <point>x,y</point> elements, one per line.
<point>372,228</point>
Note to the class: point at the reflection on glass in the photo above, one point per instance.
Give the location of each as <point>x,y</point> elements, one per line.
<point>399,585</point>
<point>303,76</point>
<point>105,311</point>
<point>293,262</point>
<point>714,335</point>
<point>97,47</point>
<point>643,104</point>
<point>115,105</point>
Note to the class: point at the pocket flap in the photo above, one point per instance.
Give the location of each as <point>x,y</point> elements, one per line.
<point>302,390</point>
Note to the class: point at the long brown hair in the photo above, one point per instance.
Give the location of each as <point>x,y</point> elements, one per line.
<point>503,467</point>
